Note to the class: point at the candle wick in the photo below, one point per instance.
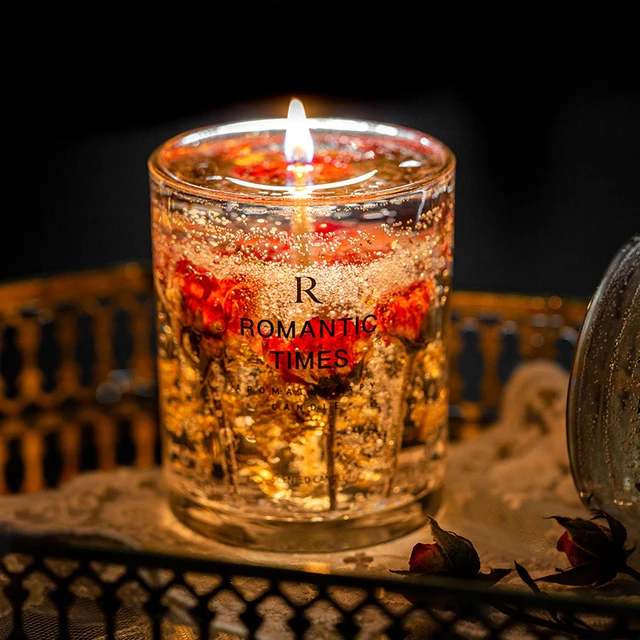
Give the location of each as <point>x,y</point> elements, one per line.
<point>300,222</point>
<point>300,174</point>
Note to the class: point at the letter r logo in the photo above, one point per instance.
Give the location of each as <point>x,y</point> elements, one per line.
<point>307,290</point>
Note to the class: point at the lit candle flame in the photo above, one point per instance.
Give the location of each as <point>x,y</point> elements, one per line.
<point>298,143</point>
<point>299,152</point>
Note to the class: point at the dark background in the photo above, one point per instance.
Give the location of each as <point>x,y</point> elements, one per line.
<point>540,105</point>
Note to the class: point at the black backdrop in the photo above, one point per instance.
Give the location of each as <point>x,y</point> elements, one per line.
<point>541,107</point>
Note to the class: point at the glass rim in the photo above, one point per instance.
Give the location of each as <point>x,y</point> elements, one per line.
<point>159,172</point>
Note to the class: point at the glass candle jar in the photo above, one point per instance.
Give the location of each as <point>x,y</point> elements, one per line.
<point>603,409</point>
<point>302,312</point>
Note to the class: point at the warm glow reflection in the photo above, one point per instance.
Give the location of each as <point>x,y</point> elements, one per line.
<point>298,143</point>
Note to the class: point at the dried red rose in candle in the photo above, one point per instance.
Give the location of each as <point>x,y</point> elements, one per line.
<point>212,306</point>
<point>321,351</point>
<point>404,313</point>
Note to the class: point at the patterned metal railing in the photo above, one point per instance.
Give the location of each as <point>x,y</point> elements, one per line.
<point>77,376</point>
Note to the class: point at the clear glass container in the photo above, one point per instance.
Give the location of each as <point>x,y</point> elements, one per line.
<point>603,411</point>
<point>302,315</point>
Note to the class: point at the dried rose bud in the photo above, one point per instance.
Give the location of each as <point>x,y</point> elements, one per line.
<point>449,555</point>
<point>596,553</point>
<point>428,558</point>
<point>575,554</point>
